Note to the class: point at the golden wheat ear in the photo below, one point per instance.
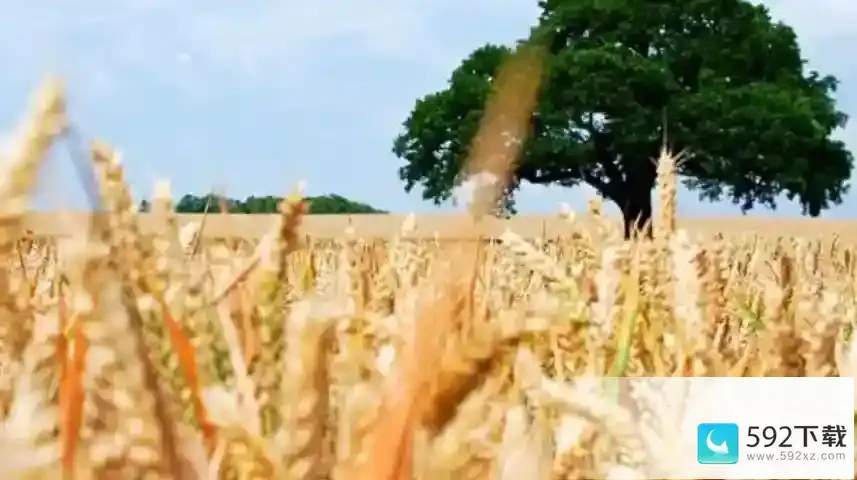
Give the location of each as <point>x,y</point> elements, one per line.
<point>21,164</point>
<point>119,281</point>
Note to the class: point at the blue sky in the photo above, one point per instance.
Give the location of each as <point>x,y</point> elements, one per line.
<point>254,98</point>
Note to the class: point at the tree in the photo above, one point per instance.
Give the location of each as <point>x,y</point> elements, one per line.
<point>193,204</point>
<point>717,78</point>
<point>332,203</point>
<point>324,204</point>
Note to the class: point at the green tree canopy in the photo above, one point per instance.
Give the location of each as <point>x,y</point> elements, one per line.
<point>336,204</point>
<point>717,78</point>
<point>324,204</point>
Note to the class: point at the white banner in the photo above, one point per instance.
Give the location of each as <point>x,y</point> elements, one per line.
<point>737,428</point>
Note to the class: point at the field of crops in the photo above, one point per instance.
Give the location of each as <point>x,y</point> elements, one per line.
<point>449,227</point>
<point>156,347</point>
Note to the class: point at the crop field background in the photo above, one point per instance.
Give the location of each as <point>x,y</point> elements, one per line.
<point>449,227</point>
<point>151,346</point>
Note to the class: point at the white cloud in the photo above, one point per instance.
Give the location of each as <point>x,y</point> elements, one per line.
<point>257,41</point>
<point>272,41</point>
<point>264,43</point>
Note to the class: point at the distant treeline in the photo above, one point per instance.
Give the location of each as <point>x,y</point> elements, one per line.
<point>320,205</point>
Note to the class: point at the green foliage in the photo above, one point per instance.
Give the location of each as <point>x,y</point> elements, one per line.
<point>324,204</point>
<point>718,78</point>
<point>332,203</point>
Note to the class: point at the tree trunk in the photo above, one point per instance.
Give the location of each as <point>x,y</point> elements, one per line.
<point>637,211</point>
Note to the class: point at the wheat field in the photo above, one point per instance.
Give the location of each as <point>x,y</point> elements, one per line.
<point>163,347</point>
<point>449,226</point>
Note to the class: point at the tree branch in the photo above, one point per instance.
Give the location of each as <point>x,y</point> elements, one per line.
<point>601,142</point>
<point>610,190</point>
